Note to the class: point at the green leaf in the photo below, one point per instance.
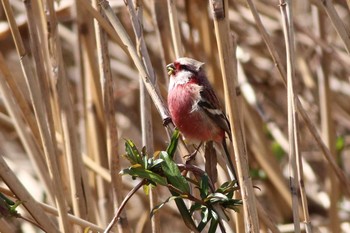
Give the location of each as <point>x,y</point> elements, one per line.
<point>156,163</point>
<point>145,174</point>
<point>278,151</point>
<point>8,201</point>
<point>340,143</point>
<point>204,186</point>
<point>184,213</point>
<point>8,207</point>
<point>216,197</point>
<point>173,143</point>
<point>132,153</point>
<point>205,218</point>
<point>205,214</point>
<point>213,226</point>
<point>195,206</point>
<point>173,173</point>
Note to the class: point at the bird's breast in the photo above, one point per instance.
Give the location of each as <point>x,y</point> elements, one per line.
<point>188,117</point>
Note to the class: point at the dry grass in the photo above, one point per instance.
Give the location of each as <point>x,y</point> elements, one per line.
<point>77,78</point>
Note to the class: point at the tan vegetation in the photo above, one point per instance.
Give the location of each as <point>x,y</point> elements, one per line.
<point>77,78</point>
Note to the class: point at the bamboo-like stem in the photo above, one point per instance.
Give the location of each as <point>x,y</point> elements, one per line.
<point>53,211</point>
<point>22,194</point>
<point>152,90</point>
<point>35,95</point>
<point>279,65</point>
<point>162,52</point>
<point>327,125</point>
<point>259,142</point>
<point>162,19</point>
<point>175,29</point>
<point>288,28</point>
<point>5,226</point>
<point>145,100</point>
<point>229,74</point>
<point>337,22</point>
<point>103,23</point>
<point>35,153</point>
<point>79,190</point>
<point>111,125</point>
<point>265,218</point>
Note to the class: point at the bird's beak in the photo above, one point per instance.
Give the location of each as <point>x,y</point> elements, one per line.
<point>170,68</point>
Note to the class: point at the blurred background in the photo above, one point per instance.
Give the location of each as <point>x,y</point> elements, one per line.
<point>71,94</point>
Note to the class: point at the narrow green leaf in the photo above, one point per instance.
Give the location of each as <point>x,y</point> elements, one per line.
<point>205,214</point>
<point>185,214</point>
<point>213,226</point>
<point>173,173</point>
<point>8,201</point>
<point>173,143</point>
<point>204,186</point>
<point>216,197</point>
<point>145,174</point>
<point>194,207</point>
<point>340,143</point>
<point>133,155</point>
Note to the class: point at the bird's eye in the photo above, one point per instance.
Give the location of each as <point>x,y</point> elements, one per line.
<point>183,67</point>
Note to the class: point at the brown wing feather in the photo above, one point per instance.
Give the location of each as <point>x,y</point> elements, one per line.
<point>211,106</point>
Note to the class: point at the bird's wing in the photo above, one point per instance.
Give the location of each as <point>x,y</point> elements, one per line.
<point>211,106</point>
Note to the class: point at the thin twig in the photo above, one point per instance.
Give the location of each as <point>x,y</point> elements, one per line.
<point>9,177</point>
<point>122,205</point>
<point>229,74</point>
<point>288,28</point>
<point>327,125</point>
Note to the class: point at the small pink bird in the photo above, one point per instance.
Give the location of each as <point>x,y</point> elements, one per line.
<point>194,108</point>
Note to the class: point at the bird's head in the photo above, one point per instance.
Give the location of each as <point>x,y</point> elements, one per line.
<point>183,70</point>
<point>184,64</point>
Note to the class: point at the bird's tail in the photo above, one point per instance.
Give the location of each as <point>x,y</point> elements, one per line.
<point>231,167</point>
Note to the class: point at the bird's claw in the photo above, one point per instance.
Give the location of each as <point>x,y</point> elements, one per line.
<point>167,121</point>
<point>191,156</point>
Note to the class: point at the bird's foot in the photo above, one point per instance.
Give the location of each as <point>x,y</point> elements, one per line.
<point>167,121</point>
<point>192,156</point>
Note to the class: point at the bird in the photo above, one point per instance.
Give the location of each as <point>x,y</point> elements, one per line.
<point>194,106</point>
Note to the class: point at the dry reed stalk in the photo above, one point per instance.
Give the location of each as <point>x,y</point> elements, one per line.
<point>229,74</point>
<point>136,13</point>
<point>35,153</point>
<point>268,164</point>
<point>146,72</point>
<point>94,119</point>
<point>259,142</point>
<point>35,95</point>
<point>293,128</point>
<point>327,125</point>
<point>111,126</point>
<point>53,211</point>
<point>22,103</point>
<point>263,128</point>
<point>162,53</point>
<point>5,227</point>
<point>79,189</point>
<point>175,29</point>
<point>103,23</point>
<point>99,170</point>
<point>28,201</point>
<point>279,65</point>
<point>162,18</point>
<point>336,21</point>
<point>152,90</point>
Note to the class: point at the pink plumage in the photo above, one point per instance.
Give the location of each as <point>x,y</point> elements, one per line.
<point>194,107</point>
